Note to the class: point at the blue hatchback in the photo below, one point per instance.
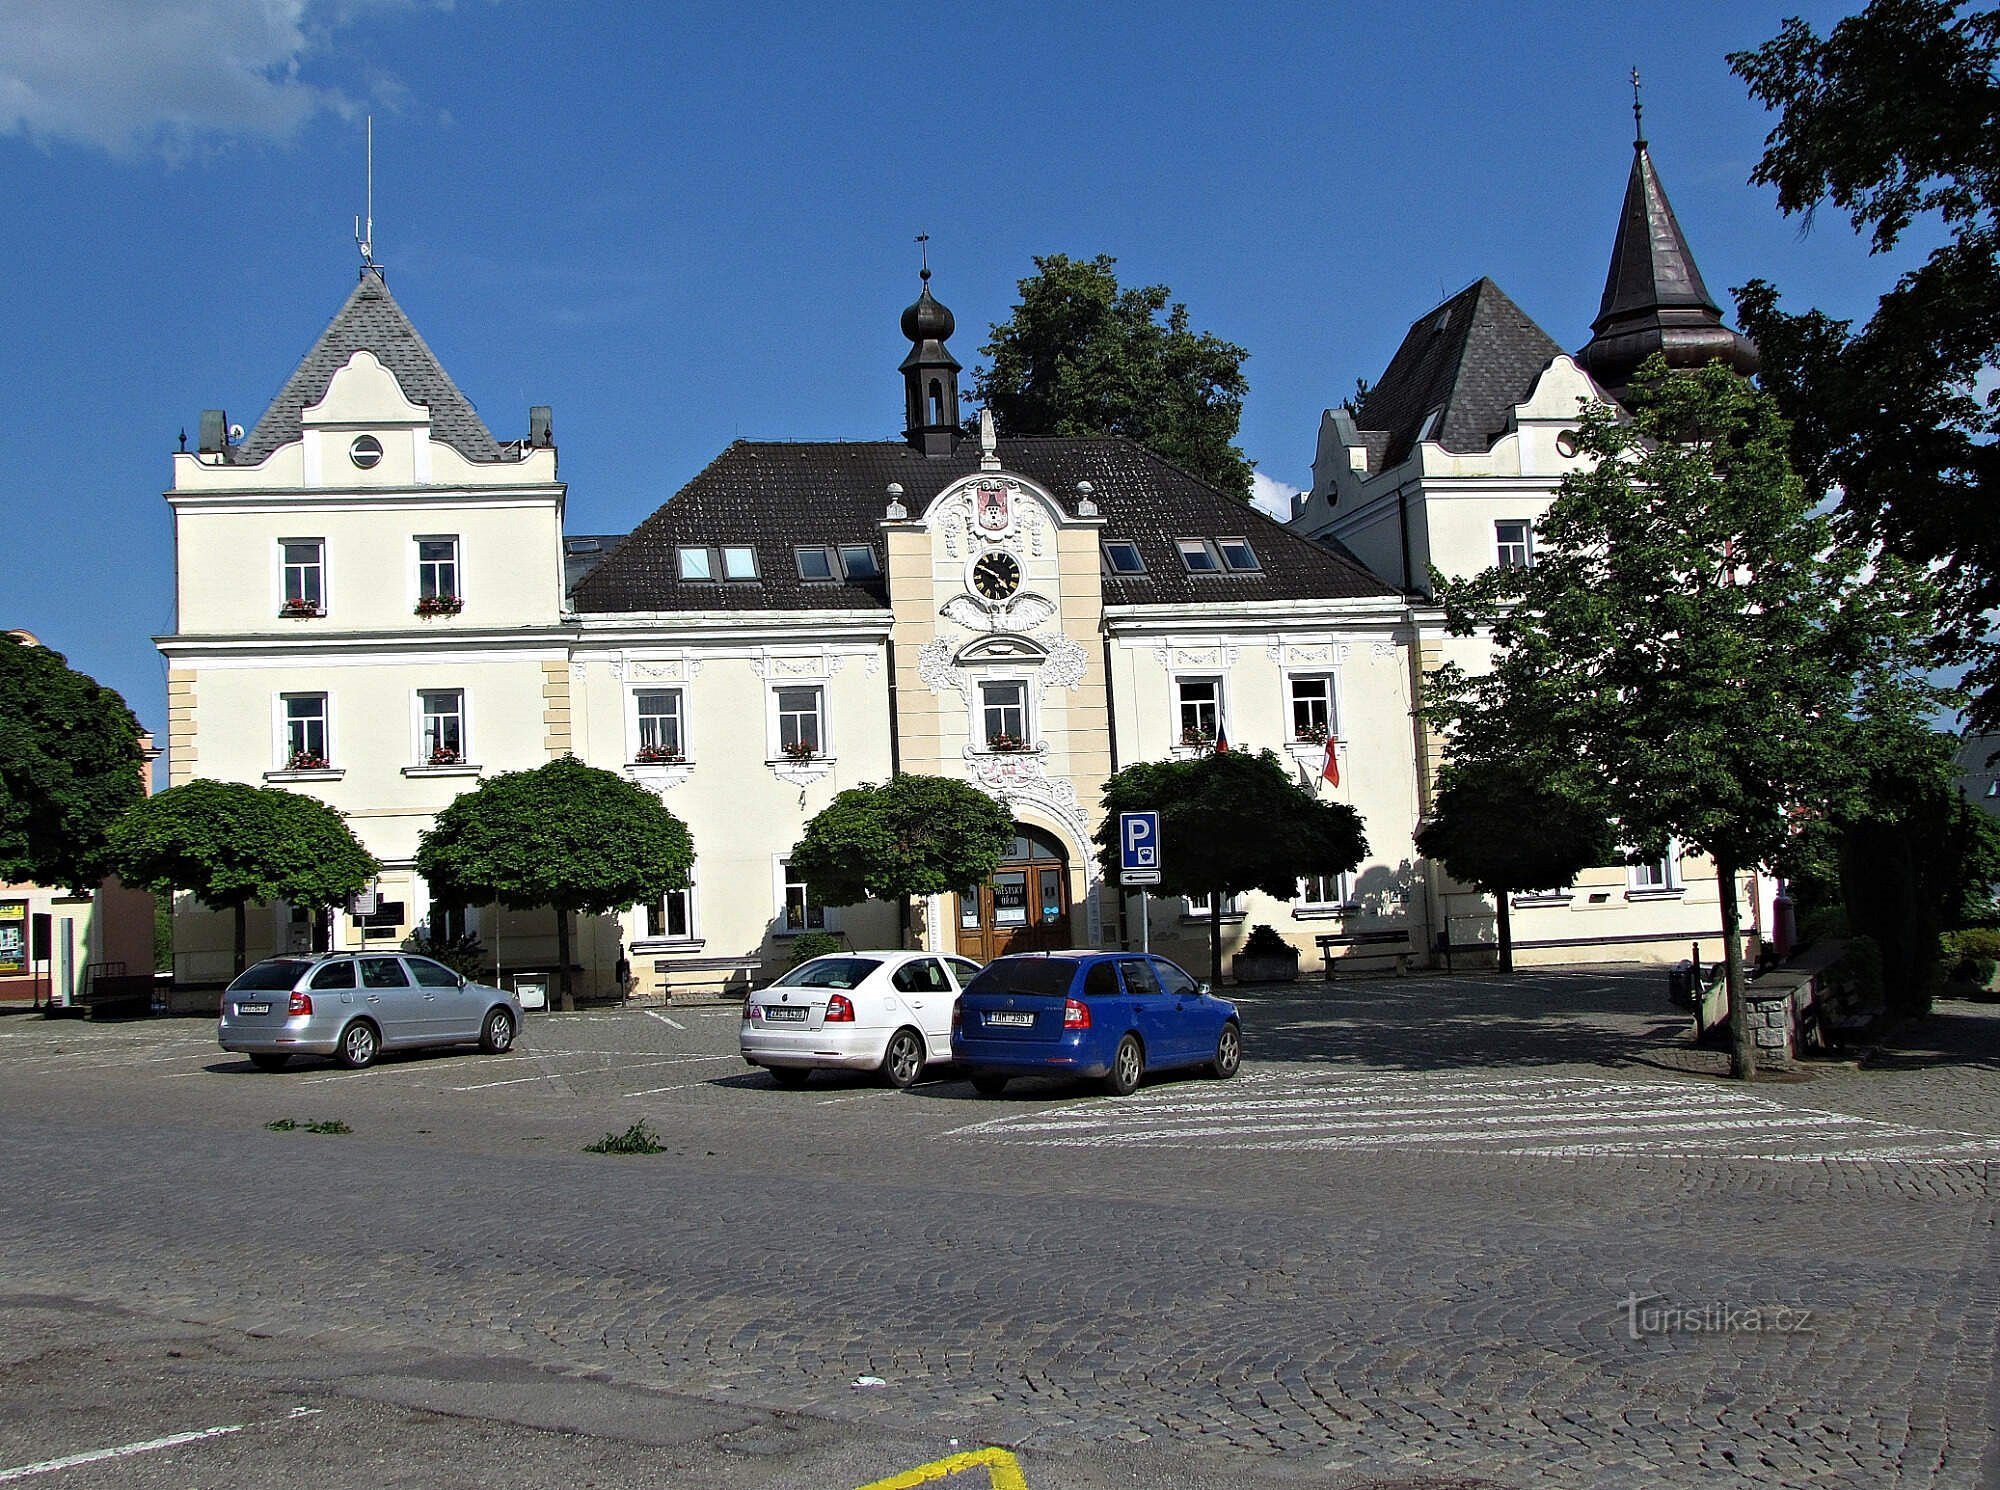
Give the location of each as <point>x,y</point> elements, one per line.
<point>1112,1015</point>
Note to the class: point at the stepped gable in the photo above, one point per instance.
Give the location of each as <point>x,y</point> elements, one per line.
<point>371,320</point>
<point>1470,361</point>
<point>778,496</point>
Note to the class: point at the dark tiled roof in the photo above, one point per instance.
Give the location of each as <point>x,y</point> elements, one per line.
<point>583,552</point>
<point>1475,357</point>
<point>371,320</point>
<point>779,496</point>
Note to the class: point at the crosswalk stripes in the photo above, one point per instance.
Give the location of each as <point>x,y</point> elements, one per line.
<point>1532,1116</point>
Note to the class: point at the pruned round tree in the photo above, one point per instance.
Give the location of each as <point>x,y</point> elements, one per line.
<point>913,835</point>
<point>565,835</point>
<point>1231,821</point>
<point>229,844</point>
<point>69,765</point>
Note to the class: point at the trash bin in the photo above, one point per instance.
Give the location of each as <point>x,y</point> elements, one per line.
<point>1680,986</point>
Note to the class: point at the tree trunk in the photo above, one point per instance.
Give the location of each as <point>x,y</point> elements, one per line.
<point>903,921</point>
<point>1742,1041</point>
<point>1503,903</point>
<point>562,958</point>
<point>242,950</point>
<point>1215,903</point>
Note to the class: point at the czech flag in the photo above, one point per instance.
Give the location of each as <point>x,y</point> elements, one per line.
<point>1221,738</point>
<point>1330,771</point>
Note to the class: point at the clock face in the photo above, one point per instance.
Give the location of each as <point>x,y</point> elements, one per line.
<point>996,576</point>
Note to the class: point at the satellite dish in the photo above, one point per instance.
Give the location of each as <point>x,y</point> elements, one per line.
<point>236,434</point>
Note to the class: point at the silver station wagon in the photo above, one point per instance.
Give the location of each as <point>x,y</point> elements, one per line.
<point>355,1005</point>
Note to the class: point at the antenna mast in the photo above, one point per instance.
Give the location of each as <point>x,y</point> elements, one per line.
<point>365,241</point>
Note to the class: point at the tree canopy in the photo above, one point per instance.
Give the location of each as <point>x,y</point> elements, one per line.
<point>1231,821</point>
<point>69,765</point>
<point>228,844</point>
<point>1691,635</point>
<point>1893,118</point>
<point>912,835</point>
<point>1081,356</point>
<point>565,835</point>
<point>1512,822</point>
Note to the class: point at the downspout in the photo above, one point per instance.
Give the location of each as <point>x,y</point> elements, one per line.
<point>1403,524</point>
<point>1111,730</point>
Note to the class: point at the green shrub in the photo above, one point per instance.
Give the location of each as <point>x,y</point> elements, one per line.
<point>1972,955</point>
<point>637,1139</point>
<point>1265,942</point>
<point>1822,922</point>
<point>815,944</point>
<point>1859,970</point>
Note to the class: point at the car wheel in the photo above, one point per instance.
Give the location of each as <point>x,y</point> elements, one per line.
<point>988,1083</point>
<point>496,1037</point>
<point>359,1045</point>
<point>1228,1051</point>
<point>790,1075</point>
<point>903,1061</point>
<point>270,1060</point>
<point>1127,1066</point>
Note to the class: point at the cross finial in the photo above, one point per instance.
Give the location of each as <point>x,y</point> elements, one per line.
<point>1638,114</point>
<point>924,247</point>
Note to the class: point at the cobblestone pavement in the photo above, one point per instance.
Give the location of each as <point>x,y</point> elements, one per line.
<point>1438,1227</point>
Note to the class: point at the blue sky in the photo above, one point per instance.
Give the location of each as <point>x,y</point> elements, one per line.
<point>682,223</point>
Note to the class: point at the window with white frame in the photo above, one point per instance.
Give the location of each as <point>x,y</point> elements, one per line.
<point>1323,892</point>
<point>304,561</point>
<point>437,569</point>
<point>1198,555</point>
<point>441,734</point>
<point>1198,909</point>
<point>799,910</point>
<point>1513,541</point>
<point>673,915</point>
<point>657,730</point>
<point>696,564</point>
<point>1655,875</point>
<point>801,722</point>
<point>739,561</point>
<point>305,745</point>
<point>1003,713</point>
<point>1200,703</point>
<point>1313,714</point>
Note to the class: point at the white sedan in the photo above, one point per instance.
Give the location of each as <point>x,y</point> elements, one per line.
<point>888,1012</point>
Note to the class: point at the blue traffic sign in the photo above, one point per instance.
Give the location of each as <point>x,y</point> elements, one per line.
<point>1138,841</point>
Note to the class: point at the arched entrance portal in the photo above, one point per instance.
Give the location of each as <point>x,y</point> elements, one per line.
<point>1024,907</point>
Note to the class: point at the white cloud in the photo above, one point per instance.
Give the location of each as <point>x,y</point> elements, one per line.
<point>133,75</point>
<point>1270,495</point>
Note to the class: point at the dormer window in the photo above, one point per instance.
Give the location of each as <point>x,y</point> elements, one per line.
<point>1121,556</point>
<point>1237,554</point>
<point>1198,556</point>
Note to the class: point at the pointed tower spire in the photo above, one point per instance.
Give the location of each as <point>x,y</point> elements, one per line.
<point>930,372</point>
<point>1654,298</point>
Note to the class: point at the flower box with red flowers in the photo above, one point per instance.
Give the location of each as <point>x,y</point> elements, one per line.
<point>444,755</point>
<point>440,605</point>
<point>306,760</point>
<point>298,605</point>
<point>1311,734</point>
<point>1005,743</point>
<point>1194,735</point>
<point>657,755</point>
<point>801,750</point>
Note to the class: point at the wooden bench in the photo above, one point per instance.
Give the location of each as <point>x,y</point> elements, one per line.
<point>717,973</point>
<point>1395,941</point>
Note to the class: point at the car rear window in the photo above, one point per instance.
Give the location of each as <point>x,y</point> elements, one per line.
<point>267,977</point>
<point>828,972</point>
<point>1050,975</point>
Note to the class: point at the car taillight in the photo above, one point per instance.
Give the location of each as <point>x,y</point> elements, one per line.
<point>1076,1016</point>
<point>957,1016</point>
<point>749,1011</point>
<point>839,1010</point>
<point>299,1003</point>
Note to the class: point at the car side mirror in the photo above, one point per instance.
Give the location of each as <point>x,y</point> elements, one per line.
<point>1206,990</point>
<point>463,980</point>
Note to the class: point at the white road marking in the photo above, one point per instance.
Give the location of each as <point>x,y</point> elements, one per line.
<point>674,1023</point>
<point>678,1060</point>
<point>127,1450</point>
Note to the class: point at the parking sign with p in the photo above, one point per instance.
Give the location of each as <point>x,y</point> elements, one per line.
<point>1139,848</point>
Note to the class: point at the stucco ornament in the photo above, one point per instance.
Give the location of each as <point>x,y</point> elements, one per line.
<point>1020,779</point>
<point>1019,614</point>
<point>661,778</point>
<point>1066,660</point>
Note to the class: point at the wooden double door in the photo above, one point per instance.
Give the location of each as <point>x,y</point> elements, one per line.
<point>1024,906</point>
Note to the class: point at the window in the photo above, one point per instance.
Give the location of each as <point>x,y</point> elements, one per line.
<point>673,914</point>
<point>1198,910</point>
<point>657,721</point>
<point>921,976</point>
<point>814,563</point>
<point>1655,875</point>
<point>383,972</point>
<point>1237,553</point>
<point>1121,556</point>
<point>442,739</point>
<point>739,562</point>
<point>1323,892</point>
<point>1003,710</point>
<point>365,452</point>
<point>801,731</point>
<point>305,574</point>
<point>697,564</point>
<point>801,911</point>
<point>305,731</point>
<point>1200,709</point>
<point>1198,556</point>
<point>431,974</point>
<point>1100,980</point>
<point>858,559</point>
<point>1175,982</point>
<point>437,569</point>
<point>1313,717</point>
<point>1139,976</point>
<point>332,975</point>
<point>1511,536</point>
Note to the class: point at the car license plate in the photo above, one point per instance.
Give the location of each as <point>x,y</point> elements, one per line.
<point>782,1015</point>
<point>253,1008</point>
<point>1020,1020</point>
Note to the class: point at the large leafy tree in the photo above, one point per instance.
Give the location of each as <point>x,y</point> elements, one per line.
<point>229,844</point>
<point>69,765</point>
<point>912,835</point>
<point>1893,118</point>
<point>1231,821</point>
<point>1080,356</point>
<point>1692,636</point>
<point>564,835</point>
<point>1509,822</point>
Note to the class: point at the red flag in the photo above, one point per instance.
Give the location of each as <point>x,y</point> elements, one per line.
<point>1221,738</point>
<point>1331,770</point>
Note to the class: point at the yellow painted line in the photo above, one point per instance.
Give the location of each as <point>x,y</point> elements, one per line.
<point>1002,1468</point>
